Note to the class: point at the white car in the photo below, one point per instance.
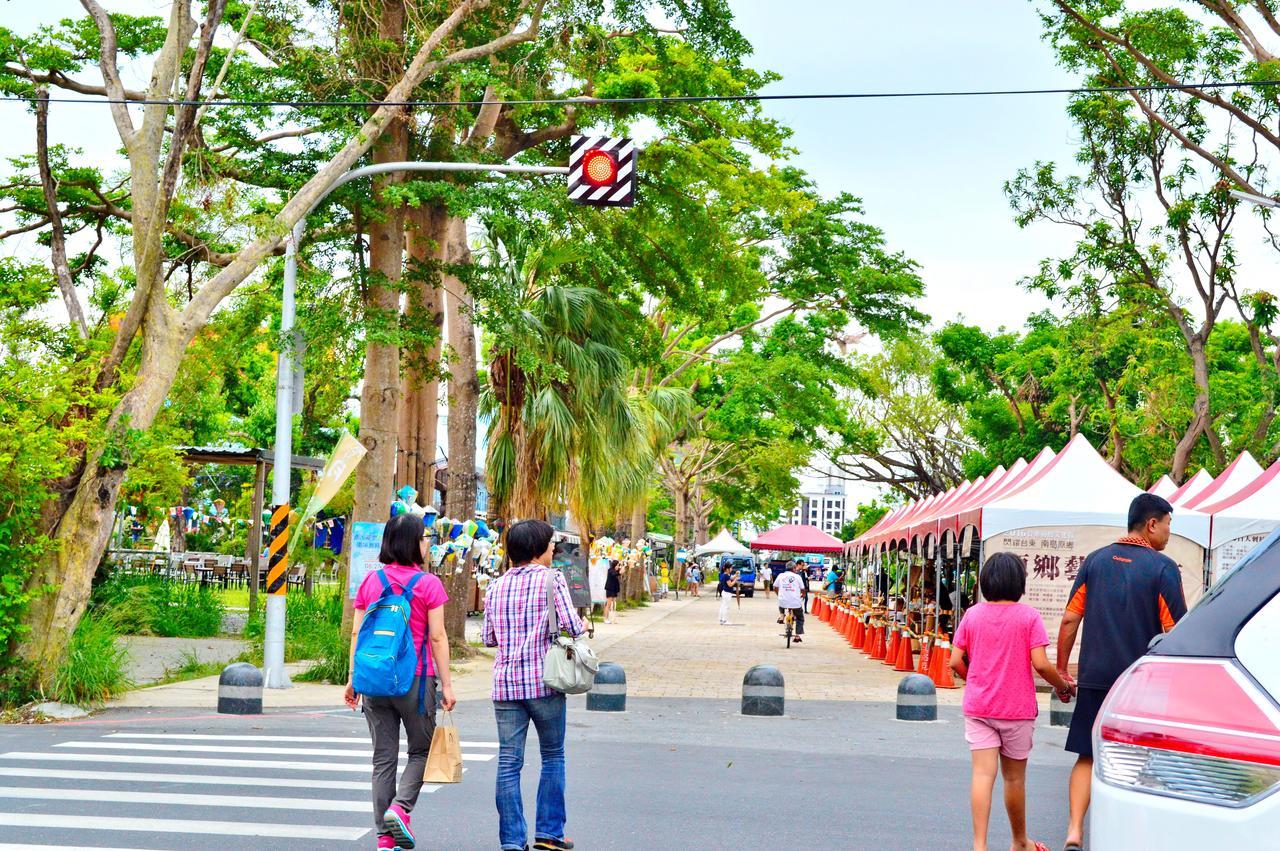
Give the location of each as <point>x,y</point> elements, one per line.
<point>1187,745</point>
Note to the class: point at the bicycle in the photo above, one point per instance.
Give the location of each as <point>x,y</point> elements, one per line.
<point>789,619</point>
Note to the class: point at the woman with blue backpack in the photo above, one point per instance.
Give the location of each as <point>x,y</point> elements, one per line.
<point>399,609</point>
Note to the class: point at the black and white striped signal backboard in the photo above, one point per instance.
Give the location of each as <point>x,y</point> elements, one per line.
<point>602,171</point>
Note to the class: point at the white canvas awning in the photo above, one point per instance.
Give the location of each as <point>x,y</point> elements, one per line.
<point>1252,511</point>
<point>722,544</point>
<point>1165,487</point>
<point>1079,488</point>
<point>1239,474</point>
<point>1191,488</point>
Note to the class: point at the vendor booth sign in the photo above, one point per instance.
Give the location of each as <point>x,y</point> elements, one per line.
<point>1054,554</point>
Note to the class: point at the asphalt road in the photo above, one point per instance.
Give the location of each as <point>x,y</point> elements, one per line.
<point>690,774</point>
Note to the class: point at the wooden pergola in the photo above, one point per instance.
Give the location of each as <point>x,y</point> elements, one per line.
<point>260,460</point>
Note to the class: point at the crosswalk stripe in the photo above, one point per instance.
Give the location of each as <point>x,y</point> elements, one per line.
<point>198,748</point>
<point>26,846</point>
<point>325,740</point>
<point>151,825</point>
<point>195,779</point>
<point>286,765</point>
<point>177,799</point>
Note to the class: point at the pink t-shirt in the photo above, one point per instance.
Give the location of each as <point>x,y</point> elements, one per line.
<point>998,638</point>
<point>428,594</point>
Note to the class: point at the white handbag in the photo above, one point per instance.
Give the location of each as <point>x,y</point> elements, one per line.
<point>570,664</point>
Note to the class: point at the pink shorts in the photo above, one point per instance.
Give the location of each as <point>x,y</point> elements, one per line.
<point>1012,736</point>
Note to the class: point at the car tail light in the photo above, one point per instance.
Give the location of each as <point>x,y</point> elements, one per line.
<point>1189,728</point>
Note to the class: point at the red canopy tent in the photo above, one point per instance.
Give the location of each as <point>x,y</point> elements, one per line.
<point>798,539</point>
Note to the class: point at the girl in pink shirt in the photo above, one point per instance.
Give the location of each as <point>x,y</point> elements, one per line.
<point>998,643</point>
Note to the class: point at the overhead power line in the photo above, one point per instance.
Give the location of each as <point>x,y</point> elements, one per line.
<point>677,99</point>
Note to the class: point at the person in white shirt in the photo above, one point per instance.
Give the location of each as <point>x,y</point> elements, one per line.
<point>790,597</point>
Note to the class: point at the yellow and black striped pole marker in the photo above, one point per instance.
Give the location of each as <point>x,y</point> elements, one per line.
<point>278,550</point>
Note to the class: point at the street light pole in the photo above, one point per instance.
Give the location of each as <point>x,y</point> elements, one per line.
<point>277,571</point>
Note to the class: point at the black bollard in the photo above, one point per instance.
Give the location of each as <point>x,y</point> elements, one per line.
<point>762,691</point>
<point>609,693</point>
<point>240,690</point>
<point>917,699</point>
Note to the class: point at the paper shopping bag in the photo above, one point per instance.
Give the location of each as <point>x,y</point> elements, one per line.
<point>444,761</point>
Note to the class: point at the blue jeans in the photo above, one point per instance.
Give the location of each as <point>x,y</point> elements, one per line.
<point>548,717</point>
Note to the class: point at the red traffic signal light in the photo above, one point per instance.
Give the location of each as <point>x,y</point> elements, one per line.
<point>602,171</point>
<point>599,168</point>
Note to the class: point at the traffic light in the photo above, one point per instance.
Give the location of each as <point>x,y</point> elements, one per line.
<point>602,171</point>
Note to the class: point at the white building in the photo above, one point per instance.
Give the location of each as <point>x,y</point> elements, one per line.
<point>825,509</point>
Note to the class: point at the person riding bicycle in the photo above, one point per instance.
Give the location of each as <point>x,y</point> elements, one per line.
<point>789,585</point>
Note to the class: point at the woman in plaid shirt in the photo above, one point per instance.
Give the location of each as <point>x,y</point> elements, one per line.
<point>516,622</point>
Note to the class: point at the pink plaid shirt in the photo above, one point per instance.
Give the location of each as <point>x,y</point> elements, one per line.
<point>515,622</point>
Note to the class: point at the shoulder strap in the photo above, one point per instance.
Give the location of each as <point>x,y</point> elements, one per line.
<point>408,588</point>
<point>553,616</point>
<point>382,576</point>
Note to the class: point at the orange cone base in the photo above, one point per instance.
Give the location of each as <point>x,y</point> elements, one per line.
<point>878,648</point>
<point>905,661</point>
<point>891,652</point>
<point>923,666</point>
<point>945,679</point>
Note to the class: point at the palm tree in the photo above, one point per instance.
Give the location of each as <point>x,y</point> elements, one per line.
<point>564,431</point>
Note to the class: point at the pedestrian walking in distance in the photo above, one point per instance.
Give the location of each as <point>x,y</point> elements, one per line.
<point>998,644</point>
<point>387,641</point>
<point>1125,594</point>
<point>515,622</point>
<point>612,588</point>
<point>727,589</point>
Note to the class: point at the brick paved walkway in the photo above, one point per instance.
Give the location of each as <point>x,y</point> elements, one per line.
<point>688,654</point>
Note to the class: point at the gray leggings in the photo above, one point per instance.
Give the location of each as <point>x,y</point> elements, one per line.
<point>385,715</point>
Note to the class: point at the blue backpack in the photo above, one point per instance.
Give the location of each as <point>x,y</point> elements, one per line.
<point>386,660</point>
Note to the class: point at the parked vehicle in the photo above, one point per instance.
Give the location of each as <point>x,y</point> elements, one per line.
<point>746,567</point>
<point>1187,746</point>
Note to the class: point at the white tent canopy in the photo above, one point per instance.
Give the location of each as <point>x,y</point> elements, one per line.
<point>1238,475</point>
<point>1254,510</point>
<point>1165,487</point>
<point>1191,488</point>
<point>1079,488</point>
<point>722,544</point>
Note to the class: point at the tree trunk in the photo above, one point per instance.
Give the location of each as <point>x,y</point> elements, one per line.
<point>1199,412</point>
<point>639,520</point>
<point>83,531</point>
<point>420,381</point>
<point>178,540</point>
<point>379,395</point>
<point>464,386</point>
<point>464,392</point>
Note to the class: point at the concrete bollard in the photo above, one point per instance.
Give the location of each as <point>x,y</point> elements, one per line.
<point>609,694</point>
<point>917,699</point>
<point>1059,712</point>
<point>240,690</point>
<point>762,691</point>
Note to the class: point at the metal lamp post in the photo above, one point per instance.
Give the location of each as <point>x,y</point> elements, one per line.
<point>277,571</point>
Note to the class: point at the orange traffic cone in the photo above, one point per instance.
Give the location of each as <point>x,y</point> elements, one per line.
<point>905,661</point>
<point>891,653</point>
<point>820,608</point>
<point>839,619</point>
<point>878,648</point>
<point>857,631</point>
<point>934,671</point>
<point>945,678</point>
<point>923,666</point>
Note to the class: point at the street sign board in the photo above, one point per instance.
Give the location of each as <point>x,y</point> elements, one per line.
<point>602,171</point>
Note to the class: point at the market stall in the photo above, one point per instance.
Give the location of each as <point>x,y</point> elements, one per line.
<point>1238,475</point>
<point>1074,505</point>
<point>1242,521</point>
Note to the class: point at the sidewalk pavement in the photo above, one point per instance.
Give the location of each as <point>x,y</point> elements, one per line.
<point>471,678</point>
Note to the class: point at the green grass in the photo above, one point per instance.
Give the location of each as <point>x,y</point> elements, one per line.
<point>95,667</point>
<point>146,605</point>
<point>313,632</point>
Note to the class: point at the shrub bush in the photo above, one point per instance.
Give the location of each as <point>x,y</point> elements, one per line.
<point>312,629</point>
<point>95,667</point>
<point>145,605</point>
